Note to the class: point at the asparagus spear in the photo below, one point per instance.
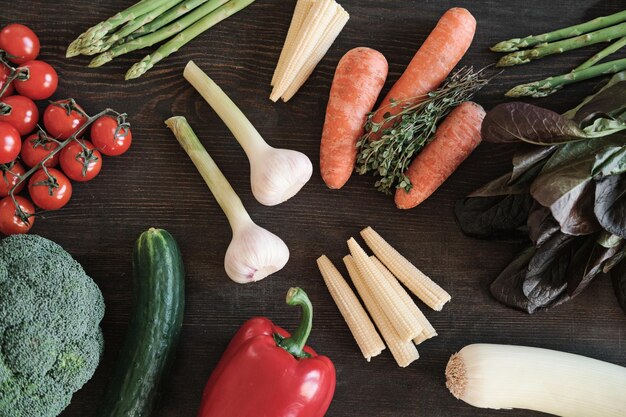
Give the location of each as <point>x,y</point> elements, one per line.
<point>568,32</point>
<point>136,24</point>
<point>612,48</point>
<point>95,33</point>
<point>160,35</point>
<point>207,22</point>
<point>602,35</point>
<point>550,85</point>
<point>182,9</point>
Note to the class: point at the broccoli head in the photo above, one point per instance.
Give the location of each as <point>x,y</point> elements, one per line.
<point>50,336</point>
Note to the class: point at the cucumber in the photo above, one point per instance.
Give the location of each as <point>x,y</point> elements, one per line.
<point>158,304</point>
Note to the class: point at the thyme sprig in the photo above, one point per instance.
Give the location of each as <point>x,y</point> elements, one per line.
<point>388,146</point>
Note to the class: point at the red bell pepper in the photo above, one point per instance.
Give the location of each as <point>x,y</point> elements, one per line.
<point>266,372</point>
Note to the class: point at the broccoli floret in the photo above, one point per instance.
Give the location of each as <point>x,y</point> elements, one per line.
<point>50,339</point>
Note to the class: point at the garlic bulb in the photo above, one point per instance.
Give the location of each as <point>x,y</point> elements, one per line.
<point>275,174</point>
<point>254,252</point>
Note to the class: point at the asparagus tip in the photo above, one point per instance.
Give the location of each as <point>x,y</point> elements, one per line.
<point>510,45</point>
<point>516,58</point>
<point>138,69</point>
<point>100,60</point>
<point>95,48</point>
<point>73,48</point>
<point>530,90</point>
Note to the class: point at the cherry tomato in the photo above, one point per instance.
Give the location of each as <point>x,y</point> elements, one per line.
<point>20,112</point>
<point>10,143</point>
<point>63,118</point>
<point>9,176</point>
<point>78,164</point>
<point>41,81</point>
<point>19,42</point>
<point>5,72</point>
<point>10,222</point>
<point>36,147</point>
<point>104,137</point>
<point>50,192</point>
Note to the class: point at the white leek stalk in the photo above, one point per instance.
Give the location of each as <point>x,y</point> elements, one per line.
<point>254,252</point>
<point>553,382</point>
<point>276,175</point>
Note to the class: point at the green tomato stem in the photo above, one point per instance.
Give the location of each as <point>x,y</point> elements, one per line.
<point>62,144</point>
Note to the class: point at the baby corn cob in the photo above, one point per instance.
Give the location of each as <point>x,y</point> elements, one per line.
<point>428,331</point>
<point>353,313</point>
<point>320,16</point>
<point>326,41</point>
<point>423,287</point>
<point>299,14</point>
<point>403,352</point>
<point>400,316</point>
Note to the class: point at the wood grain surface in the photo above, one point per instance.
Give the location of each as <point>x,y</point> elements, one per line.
<point>155,185</point>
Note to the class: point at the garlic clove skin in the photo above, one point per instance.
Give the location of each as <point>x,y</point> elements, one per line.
<point>254,253</point>
<point>278,174</point>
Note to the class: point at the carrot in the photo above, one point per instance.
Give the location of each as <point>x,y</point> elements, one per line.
<point>455,139</point>
<point>438,55</point>
<point>359,77</point>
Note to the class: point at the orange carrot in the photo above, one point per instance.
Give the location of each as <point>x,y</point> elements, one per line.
<point>359,77</point>
<point>438,55</point>
<point>455,139</point>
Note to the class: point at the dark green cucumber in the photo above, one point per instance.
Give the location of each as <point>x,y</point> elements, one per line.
<point>158,304</point>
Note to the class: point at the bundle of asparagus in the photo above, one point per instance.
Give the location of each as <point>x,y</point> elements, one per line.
<point>601,29</point>
<point>149,22</point>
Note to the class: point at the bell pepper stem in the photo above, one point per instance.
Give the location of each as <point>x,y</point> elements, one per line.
<point>296,343</point>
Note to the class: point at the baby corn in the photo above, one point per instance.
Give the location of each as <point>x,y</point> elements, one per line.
<point>358,321</point>
<point>400,316</point>
<point>423,287</point>
<point>404,352</point>
<point>428,331</point>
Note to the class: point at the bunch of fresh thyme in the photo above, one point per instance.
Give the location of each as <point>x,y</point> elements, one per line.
<point>388,146</point>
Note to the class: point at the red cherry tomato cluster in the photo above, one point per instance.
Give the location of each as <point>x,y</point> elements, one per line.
<point>29,154</point>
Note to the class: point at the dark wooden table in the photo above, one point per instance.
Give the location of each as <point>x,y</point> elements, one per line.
<point>155,185</point>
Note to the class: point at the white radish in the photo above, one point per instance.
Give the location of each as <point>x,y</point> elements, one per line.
<point>553,382</point>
